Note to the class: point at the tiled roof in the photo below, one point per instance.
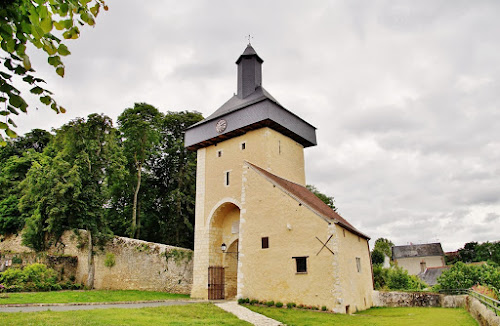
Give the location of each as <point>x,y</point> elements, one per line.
<point>417,250</point>
<point>307,198</point>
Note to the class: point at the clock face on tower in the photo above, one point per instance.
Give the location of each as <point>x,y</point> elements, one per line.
<point>221,126</point>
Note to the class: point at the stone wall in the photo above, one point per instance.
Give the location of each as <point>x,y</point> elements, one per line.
<point>483,315</point>
<point>122,264</point>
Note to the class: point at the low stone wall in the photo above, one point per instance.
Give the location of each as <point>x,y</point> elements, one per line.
<point>406,299</point>
<point>483,315</point>
<point>122,264</point>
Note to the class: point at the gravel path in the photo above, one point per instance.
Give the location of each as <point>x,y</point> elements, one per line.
<point>247,314</point>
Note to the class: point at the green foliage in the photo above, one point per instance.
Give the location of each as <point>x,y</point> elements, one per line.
<point>279,304</point>
<point>178,255</point>
<point>66,187</point>
<point>270,303</point>
<point>377,257</point>
<point>109,261</point>
<point>380,276</point>
<point>396,279</point>
<point>385,246</point>
<point>42,23</point>
<point>330,201</point>
<point>140,129</point>
<point>323,308</point>
<point>291,305</point>
<point>34,277</point>
<point>463,276</point>
<point>476,252</point>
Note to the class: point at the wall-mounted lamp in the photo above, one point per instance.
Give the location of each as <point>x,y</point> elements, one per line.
<point>223,247</point>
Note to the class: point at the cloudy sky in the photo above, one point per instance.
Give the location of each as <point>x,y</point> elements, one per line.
<point>405,95</point>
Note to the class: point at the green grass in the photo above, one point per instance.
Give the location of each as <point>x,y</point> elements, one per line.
<point>192,314</point>
<point>87,296</point>
<point>373,317</point>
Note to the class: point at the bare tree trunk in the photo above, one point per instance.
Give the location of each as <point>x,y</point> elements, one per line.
<point>90,261</point>
<point>136,193</point>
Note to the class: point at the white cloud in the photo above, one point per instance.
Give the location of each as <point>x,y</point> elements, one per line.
<point>404,95</point>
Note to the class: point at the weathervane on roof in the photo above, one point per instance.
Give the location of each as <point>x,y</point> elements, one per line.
<point>249,37</point>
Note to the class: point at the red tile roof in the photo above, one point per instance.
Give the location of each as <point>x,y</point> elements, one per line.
<point>307,198</point>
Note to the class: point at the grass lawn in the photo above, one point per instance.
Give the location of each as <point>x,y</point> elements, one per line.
<point>87,296</point>
<point>193,314</point>
<point>373,317</point>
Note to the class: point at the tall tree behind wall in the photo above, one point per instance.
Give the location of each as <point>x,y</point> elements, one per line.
<point>67,187</point>
<point>169,203</point>
<point>140,128</point>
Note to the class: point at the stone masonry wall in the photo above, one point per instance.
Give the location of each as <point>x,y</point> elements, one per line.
<point>483,315</point>
<point>138,264</point>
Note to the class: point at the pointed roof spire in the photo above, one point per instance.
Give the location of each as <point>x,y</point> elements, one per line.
<point>249,72</point>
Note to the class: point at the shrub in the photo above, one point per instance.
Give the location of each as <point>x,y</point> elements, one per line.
<point>34,277</point>
<point>241,301</point>
<point>253,301</point>
<point>290,305</point>
<point>279,304</point>
<point>270,303</point>
<point>323,308</point>
<point>462,276</point>
<point>247,300</point>
<point>398,279</point>
<point>109,261</point>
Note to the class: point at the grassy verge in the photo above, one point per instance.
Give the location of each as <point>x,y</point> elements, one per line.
<point>373,317</point>
<point>192,314</point>
<point>87,296</point>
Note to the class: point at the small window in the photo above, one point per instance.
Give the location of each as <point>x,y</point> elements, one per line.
<point>343,231</point>
<point>243,146</point>
<point>359,239</point>
<point>219,153</point>
<point>265,242</point>
<point>227,178</point>
<point>358,264</point>
<point>301,263</point>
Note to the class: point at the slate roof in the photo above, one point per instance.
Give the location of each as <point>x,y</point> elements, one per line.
<point>307,198</point>
<point>235,103</point>
<point>431,274</point>
<point>418,250</point>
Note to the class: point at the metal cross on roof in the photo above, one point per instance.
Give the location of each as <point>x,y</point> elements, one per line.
<point>249,37</point>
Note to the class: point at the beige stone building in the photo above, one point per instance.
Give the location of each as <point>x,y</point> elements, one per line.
<point>416,258</point>
<point>259,233</point>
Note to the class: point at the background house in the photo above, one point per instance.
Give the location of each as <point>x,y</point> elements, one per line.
<point>417,258</point>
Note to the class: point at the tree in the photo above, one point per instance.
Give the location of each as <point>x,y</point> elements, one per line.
<point>34,21</point>
<point>66,188</point>
<point>377,257</point>
<point>330,201</point>
<point>15,161</point>
<point>384,245</point>
<point>173,179</point>
<point>140,129</point>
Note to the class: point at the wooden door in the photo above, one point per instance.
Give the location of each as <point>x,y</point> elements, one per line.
<point>215,282</point>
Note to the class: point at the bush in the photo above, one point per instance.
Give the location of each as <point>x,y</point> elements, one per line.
<point>241,301</point>
<point>399,279</point>
<point>279,304</point>
<point>253,301</point>
<point>323,308</point>
<point>462,276</point>
<point>270,303</point>
<point>34,277</point>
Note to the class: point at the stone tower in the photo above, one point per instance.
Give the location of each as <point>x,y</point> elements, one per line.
<point>250,127</point>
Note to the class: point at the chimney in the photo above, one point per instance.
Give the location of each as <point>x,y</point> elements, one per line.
<point>249,72</point>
